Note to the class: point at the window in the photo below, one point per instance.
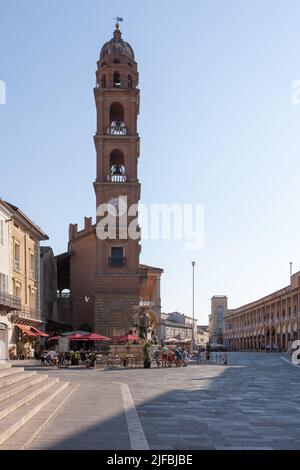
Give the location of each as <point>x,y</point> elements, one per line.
<point>17,289</point>
<point>4,283</point>
<point>117,252</point>
<point>116,61</point>
<point>32,297</point>
<point>1,232</point>
<point>117,260</point>
<point>32,264</point>
<point>17,252</point>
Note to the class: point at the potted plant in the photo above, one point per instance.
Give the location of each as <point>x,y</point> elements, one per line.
<point>147,349</point>
<point>74,358</point>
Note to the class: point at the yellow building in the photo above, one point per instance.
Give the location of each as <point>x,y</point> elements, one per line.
<point>24,282</point>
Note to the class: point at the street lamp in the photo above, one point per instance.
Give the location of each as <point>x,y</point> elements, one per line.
<point>193,330</point>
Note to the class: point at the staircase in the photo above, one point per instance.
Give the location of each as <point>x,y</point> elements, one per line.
<point>23,398</point>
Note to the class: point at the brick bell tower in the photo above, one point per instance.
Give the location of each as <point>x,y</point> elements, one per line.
<point>117,278</point>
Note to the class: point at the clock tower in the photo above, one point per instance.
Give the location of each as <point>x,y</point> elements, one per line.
<point>102,286</point>
<point>117,277</point>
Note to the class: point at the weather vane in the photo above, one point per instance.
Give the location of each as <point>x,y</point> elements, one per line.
<point>118,19</point>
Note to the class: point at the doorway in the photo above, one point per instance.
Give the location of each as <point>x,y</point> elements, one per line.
<point>3,342</point>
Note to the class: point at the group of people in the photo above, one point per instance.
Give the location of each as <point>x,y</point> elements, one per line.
<point>47,358</point>
<point>52,358</point>
<point>168,357</point>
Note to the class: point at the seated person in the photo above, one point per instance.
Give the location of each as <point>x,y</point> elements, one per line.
<point>52,357</point>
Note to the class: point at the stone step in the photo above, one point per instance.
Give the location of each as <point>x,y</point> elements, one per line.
<point>10,371</point>
<point>26,434</point>
<point>5,365</point>
<point>11,423</point>
<point>11,379</point>
<point>11,404</point>
<point>15,388</point>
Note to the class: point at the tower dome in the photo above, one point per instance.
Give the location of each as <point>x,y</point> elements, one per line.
<point>117,46</point>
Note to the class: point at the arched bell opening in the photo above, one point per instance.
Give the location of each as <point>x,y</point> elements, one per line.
<point>117,125</point>
<point>117,167</point>
<point>117,80</point>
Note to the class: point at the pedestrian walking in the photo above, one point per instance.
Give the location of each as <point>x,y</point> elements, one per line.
<point>165,353</point>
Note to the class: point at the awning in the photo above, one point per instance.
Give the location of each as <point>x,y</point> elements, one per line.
<point>39,333</point>
<point>26,329</point>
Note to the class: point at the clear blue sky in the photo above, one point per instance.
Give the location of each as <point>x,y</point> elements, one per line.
<point>217,127</point>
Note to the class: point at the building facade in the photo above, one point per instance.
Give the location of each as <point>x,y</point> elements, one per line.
<point>48,282</point>
<point>177,325</point>
<point>219,305</point>
<point>8,302</point>
<point>270,323</point>
<point>202,336</point>
<point>107,288</point>
<point>20,274</point>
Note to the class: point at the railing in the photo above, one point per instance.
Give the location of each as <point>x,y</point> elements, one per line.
<point>117,178</point>
<point>117,129</point>
<point>10,301</point>
<point>146,303</point>
<point>117,262</point>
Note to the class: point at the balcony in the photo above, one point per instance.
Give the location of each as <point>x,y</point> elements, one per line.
<point>117,128</point>
<point>117,262</point>
<point>9,301</point>
<point>117,178</point>
<point>30,313</point>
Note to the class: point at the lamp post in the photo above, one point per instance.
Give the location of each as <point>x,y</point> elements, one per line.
<point>193,330</point>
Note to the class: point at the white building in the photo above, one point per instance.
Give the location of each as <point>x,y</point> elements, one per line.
<point>202,336</point>
<point>177,325</point>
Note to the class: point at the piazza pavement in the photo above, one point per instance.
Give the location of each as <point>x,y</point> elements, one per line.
<point>252,403</point>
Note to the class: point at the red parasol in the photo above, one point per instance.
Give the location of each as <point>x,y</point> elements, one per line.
<point>127,337</point>
<point>76,337</point>
<point>95,337</point>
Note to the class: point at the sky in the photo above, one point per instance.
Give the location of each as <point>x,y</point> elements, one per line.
<point>217,127</point>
